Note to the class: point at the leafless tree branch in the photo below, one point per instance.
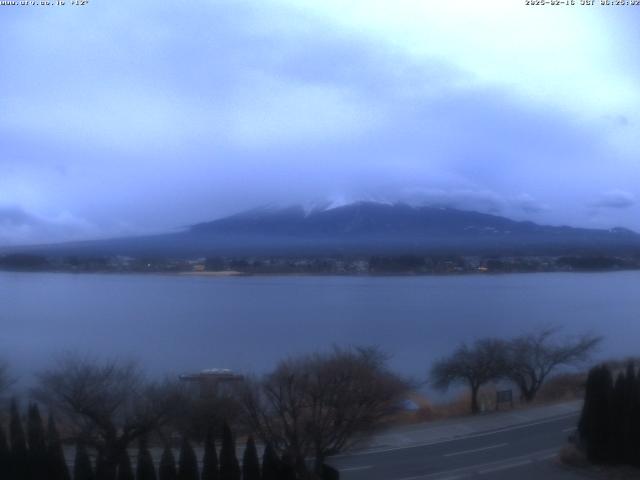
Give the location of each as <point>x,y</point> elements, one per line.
<point>321,404</point>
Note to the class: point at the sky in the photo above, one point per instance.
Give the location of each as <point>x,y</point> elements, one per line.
<point>125,118</point>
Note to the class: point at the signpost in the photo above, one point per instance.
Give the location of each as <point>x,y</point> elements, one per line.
<point>504,396</point>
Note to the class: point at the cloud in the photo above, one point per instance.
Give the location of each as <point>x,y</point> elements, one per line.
<point>12,216</point>
<point>618,120</point>
<point>17,226</point>
<point>463,199</point>
<point>277,113</point>
<point>504,44</point>
<point>481,200</point>
<point>235,80</point>
<point>528,204</point>
<point>140,128</point>
<point>618,199</point>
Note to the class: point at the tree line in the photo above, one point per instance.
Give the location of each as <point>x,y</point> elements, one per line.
<point>32,454</point>
<point>36,453</point>
<point>609,426</point>
<point>526,361</point>
<point>309,407</point>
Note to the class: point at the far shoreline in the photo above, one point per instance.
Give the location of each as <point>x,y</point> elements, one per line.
<point>237,274</point>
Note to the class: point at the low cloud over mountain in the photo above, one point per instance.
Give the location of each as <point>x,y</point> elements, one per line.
<point>361,228</point>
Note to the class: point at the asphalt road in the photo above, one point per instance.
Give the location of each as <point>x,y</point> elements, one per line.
<point>522,452</point>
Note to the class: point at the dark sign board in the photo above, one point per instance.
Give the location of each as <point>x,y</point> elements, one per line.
<point>504,396</point>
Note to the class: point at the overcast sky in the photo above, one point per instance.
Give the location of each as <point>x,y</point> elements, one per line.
<point>126,117</point>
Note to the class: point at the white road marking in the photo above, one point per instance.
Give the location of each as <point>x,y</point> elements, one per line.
<point>520,417</point>
<point>548,457</point>
<point>454,477</point>
<point>354,469</point>
<point>505,466</point>
<point>401,439</point>
<point>464,452</point>
<point>375,451</point>
<point>471,469</point>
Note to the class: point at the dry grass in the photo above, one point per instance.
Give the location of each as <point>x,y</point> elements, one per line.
<point>572,456</point>
<point>562,387</point>
<point>458,407</point>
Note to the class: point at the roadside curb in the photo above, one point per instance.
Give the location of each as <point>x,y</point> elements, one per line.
<point>453,438</point>
<point>441,431</point>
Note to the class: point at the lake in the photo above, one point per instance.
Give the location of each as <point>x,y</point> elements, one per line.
<point>181,323</point>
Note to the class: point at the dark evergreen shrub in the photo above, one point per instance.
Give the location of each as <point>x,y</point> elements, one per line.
<point>125,470</point>
<point>82,468</point>
<point>229,467</point>
<point>210,458</point>
<point>56,462</point>
<point>5,456</point>
<point>187,463</point>
<point>18,441</point>
<point>250,462</point>
<point>101,472</point>
<point>167,469</point>
<point>145,470</point>
<point>287,467</point>
<point>635,422</point>
<point>595,425</point>
<point>37,444</point>
<point>270,464</point>
<point>330,473</point>
<point>615,450</point>
<point>630,410</point>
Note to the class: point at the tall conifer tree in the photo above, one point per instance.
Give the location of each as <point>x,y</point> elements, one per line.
<point>37,444</point>
<point>250,462</point>
<point>287,467</point>
<point>125,470</point>
<point>617,419</point>
<point>635,427</point>
<point>229,467</point>
<point>18,441</point>
<point>270,464</point>
<point>187,463</point>
<point>594,427</point>
<point>145,470</point>
<point>5,456</point>
<point>167,469</point>
<point>101,468</point>
<point>631,408</point>
<point>210,459</point>
<point>56,462</point>
<point>82,468</point>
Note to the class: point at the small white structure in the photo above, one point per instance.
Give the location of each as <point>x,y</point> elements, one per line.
<point>209,380</point>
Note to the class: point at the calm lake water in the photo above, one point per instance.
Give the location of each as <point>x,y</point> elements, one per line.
<point>177,324</point>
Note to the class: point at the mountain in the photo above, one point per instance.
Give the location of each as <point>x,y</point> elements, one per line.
<point>362,228</point>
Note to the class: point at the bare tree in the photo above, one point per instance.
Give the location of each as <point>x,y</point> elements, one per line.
<point>109,402</point>
<point>532,357</point>
<point>474,365</point>
<point>321,404</point>
<point>197,414</point>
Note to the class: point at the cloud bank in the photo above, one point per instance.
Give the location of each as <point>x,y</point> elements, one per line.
<point>140,117</point>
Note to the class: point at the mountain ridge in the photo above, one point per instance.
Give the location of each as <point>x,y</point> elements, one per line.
<point>398,214</point>
<point>359,228</point>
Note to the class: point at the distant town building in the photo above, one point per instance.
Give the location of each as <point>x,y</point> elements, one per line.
<point>212,381</point>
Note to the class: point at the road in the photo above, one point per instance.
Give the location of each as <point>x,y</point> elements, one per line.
<point>524,451</point>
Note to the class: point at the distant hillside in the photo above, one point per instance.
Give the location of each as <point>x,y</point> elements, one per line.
<point>361,228</point>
